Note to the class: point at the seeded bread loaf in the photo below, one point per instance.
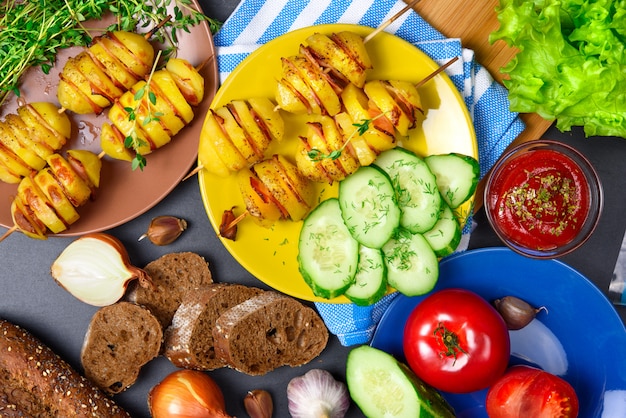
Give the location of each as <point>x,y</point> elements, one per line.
<point>189,338</point>
<point>173,275</point>
<point>268,331</point>
<point>35,382</point>
<point>120,339</point>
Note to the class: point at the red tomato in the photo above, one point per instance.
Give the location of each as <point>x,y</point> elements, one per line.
<point>524,392</point>
<point>456,341</point>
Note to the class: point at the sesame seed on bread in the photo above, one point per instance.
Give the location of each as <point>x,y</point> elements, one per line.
<point>36,382</point>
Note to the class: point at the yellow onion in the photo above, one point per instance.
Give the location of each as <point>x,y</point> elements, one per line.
<point>96,269</point>
<point>187,394</point>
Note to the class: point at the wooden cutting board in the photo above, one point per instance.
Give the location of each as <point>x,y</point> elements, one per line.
<point>472,21</point>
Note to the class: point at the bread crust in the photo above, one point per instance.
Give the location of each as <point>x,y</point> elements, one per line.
<point>36,382</point>
<point>173,275</point>
<point>189,338</point>
<point>268,331</point>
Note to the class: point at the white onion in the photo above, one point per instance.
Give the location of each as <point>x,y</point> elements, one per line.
<point>96,269</point>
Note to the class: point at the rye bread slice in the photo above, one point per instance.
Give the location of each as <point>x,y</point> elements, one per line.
<point>173,275</point>
<point>268,331</point>
<point>120,339</point>
<point>189,338</point>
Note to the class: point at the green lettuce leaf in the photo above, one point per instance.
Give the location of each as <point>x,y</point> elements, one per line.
<point>571,61</point>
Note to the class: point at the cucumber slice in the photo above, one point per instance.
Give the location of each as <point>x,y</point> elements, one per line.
<point>416,188</point>
<point>383,387</point>
<point>445,236</point>
<point>412,266</point>
<point>368,206</point>
<point>370,281</point>
<point>327,253</point>
<point>457,176</point>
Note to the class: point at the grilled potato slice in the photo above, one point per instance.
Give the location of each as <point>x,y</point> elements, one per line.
<point>397,101</point>
<point>380,134</point>
<point>53,191</point>
<point>339,51</point>
<point>259,202</point>
<point>32,196</point>
<point>364,153</point>
<point>76,189</point>
<point>27,155</point>
<point>324,138</point>
<point>324,94</point>
<point>285,183</point>
<point>25,220</point>
<point>188,80</point>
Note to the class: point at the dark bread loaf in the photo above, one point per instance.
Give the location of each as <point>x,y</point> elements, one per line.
<point>120,339</point>
<point>268,331</point>
<point>189,338</point>
<point>35,382</point>
<point>173,275</point>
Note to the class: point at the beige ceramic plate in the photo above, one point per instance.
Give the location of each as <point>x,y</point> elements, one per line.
<point>124,194</point>
<point>270,254</point>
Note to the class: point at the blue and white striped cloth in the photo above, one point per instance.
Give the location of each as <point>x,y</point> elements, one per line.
<point>255,22</point>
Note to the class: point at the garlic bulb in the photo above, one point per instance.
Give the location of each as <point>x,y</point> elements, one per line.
<point>96,269</point>
<point>317,394</point>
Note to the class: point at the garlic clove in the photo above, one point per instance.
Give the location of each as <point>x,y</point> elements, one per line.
<point>258,404</point>
<point>96,269</point>
<point>317,394</point>
<point>164,230</point>
<point>517,313</point>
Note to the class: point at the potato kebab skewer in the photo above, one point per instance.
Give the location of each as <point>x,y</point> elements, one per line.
<point>372,121</point>
<point>47,201</point>
<point>272,189</point>
<point>312,81</point>
<point>28,137</point>
<point>237,135</point>
<point>151,112</point>
<point>97,76</point>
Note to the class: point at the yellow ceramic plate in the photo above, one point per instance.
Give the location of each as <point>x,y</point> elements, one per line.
<point>270,254</point>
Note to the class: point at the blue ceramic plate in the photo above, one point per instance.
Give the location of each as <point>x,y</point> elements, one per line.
<point>580,338</point>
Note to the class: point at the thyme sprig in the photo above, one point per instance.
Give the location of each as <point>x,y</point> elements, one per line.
<point>33,31</point>
<point>361,128</point>
<point>133,141</point>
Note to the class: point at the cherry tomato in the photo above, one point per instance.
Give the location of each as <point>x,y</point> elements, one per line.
<point>456,341</point>
<point>525,391</point>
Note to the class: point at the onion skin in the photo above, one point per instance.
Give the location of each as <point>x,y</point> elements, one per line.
<point>187,394</point>
<point>96,269</point>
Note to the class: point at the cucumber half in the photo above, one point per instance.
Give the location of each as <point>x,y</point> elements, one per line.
<point>370,281</point>
<point>368,206</point>
<point>416,188</point>
<point>457,176</point>
<point>383,387</point>
<point>327,253</point>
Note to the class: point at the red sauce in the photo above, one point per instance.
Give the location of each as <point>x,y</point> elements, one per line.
<point>540,200</point>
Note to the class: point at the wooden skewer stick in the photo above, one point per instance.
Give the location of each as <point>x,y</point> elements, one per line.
<point>389,21</point>
<point>434,73</point>
<point>9,232</point>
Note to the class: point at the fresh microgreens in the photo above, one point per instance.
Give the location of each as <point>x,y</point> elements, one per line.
<point>33,31</point>
<point>361,128</point>
<point>133,140</point>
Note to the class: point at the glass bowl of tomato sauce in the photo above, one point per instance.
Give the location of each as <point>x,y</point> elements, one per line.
<point>543,199</point>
